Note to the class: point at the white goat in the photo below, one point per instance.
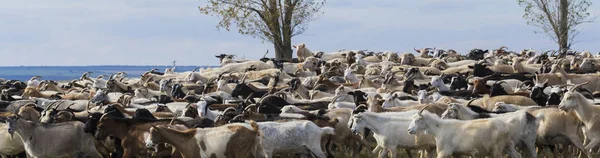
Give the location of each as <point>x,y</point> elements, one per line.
<point>392,101</point>
<point>385,128</point>
<point>335,104</point>
<point>476,137</point>
<point>294,136</point>
<point>9,144</point>
<point>522,125</point>
<point>587,112</point>
<point>70,135</point>
<point>205,112</point>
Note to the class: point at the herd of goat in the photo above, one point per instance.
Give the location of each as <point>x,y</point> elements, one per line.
<point>438,103</point>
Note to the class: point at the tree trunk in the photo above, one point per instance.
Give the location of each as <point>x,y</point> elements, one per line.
<point>283,50</point>
<point>563,27</point>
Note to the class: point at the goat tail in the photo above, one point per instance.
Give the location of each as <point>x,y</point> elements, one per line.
<point>254,127</point>
<point>540,117</point>
<point>328,130</point>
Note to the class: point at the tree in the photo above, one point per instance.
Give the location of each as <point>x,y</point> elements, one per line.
<point>276,21</point>
<point>557,18</point>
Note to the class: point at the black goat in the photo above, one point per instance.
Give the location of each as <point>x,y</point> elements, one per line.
<point>272,104</point>
<point>476,54</point>
<point>359,97</point>
<point>538,95</point>
<point>155,71</point>
<point>459,82</point>
<point>176,91</point>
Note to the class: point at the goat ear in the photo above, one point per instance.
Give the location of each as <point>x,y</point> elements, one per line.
<point>294,46</point>
<point>350,93</point>
<point>470,67</point>
<point>335,120</point>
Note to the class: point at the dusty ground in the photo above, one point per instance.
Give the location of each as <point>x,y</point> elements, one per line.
<point>366,153</point>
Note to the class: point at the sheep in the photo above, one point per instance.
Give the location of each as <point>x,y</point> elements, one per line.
<point>475,137</point>
<point>384,127</point>
<point>584,110</point>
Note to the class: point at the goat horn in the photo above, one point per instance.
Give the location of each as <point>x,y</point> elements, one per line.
<point>335,98</point>
<point>500,81</point>
<point>248,98</point>
<point>212,79</point>
<point>196,69</point>
<point>546,81</point>
<point>470,101</point>
<point>488,76</point>
<point>394,91</point>
<point>296,72</point>
<point>243,78</point>
<point>578,85</point>
<point>431,60</point>
<point>263,97</point>
<point>49,105</point>
<point>421,111</point>
<point>266,54</point>
<point>148,80</point>
<point>377,96</point>
<point>317,86</point>
<point>416,49</point>
<point>173,119</point>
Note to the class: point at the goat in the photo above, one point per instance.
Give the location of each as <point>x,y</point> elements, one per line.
<point>132,132</point>
<point>232,140</point>
<point>522,125</point>
<point>292,136</point>
<point>584,110</point>
<point>11,144</point>
<point>488,102</point>
<point>470,134</point>
<point>386,134</point>
<point>70,134</point>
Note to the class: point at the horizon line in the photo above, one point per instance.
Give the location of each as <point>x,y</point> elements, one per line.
<point>103,65</point>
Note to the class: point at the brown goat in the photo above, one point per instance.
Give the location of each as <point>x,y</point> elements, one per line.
<point>238,141</point>
<point>130,132</point>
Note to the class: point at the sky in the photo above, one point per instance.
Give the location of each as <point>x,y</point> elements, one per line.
<point>157,32</point>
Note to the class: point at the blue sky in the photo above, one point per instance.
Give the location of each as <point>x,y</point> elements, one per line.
<point>156,32</point>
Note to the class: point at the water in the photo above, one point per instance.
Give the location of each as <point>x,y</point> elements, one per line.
<point>62,73</point>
